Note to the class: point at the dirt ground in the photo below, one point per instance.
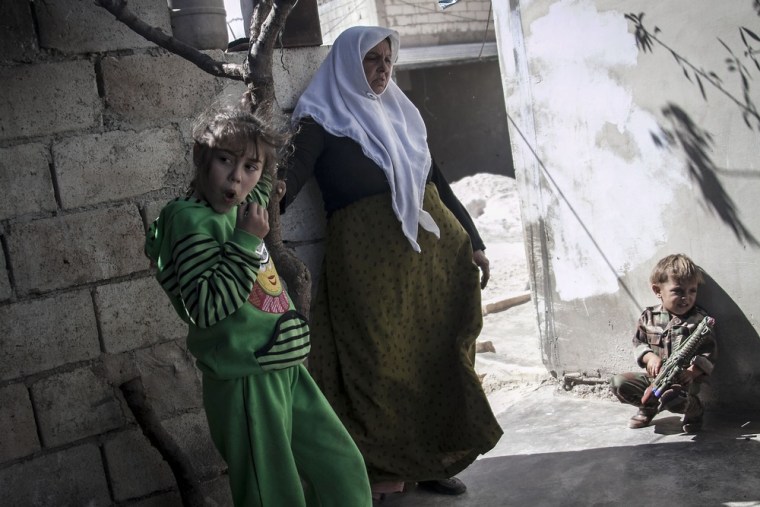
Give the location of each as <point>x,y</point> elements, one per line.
<point>512,363</point>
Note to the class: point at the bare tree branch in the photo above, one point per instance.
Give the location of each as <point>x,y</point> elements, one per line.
<point>214,67</point>
<point>260,12</point>
<point>267,22</point>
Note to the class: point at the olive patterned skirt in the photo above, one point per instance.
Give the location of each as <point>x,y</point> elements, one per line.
<point>393,341</point>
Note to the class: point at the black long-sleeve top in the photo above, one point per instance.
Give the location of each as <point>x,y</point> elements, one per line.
<point>345,175</point>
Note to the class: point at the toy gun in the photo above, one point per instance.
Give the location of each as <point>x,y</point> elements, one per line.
<point>678,360</point>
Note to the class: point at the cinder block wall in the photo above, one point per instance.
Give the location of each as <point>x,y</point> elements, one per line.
<point>424,23</point>
<point>419,22</point>
<point>94,140</point>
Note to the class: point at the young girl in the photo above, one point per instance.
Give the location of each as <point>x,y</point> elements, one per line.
<point>267,418</point>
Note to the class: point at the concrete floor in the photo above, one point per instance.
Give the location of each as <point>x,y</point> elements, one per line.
<point>559,449</point>
<point>574,448</point>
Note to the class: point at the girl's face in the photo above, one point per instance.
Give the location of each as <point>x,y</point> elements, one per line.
<point>378,64</point>
<point>677,297</point>
<point>230,178</point>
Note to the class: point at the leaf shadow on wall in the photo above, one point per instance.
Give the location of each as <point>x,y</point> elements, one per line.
<point>735,376</point>
<point>696,144</point>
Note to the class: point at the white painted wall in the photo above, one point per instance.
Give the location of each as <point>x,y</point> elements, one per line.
<point>603,200</point>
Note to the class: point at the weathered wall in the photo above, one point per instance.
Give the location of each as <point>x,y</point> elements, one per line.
<point>424,23</point>
<point>419,22</point>
<point>622,159</point>
<point>94,140</point>
<point>337,15</point>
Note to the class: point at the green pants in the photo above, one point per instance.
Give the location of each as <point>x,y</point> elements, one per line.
<point>282,442</point>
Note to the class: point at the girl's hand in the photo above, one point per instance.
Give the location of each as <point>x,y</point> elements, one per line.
<point>253,219</point>
<point>480,259</point>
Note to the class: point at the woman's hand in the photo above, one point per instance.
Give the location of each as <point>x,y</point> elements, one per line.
<point>253,219</point>
<point>480,259</point>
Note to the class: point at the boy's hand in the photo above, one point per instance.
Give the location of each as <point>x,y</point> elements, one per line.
<point>654,364</point>
<point>253,219</point>
<point>689,375</point>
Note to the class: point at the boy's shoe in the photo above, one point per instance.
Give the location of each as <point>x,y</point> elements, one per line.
<point>692,418</point>
<point>450,486</point>
<point>692,426</point>
<point>673,400</point>
<point>642,418</point>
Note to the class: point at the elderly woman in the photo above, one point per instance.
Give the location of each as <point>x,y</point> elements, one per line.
<point>398,306</point>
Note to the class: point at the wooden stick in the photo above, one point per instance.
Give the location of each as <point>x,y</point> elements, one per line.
<point>505,304</point>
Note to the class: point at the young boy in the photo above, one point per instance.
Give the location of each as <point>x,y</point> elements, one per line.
<point>660,329</point>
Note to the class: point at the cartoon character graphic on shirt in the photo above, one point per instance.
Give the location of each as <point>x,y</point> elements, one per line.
<point>267,294</point>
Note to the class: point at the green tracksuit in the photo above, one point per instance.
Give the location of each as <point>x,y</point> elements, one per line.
<point>266,415</point>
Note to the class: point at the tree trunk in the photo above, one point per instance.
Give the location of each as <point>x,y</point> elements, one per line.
<point>267,23</point>
<point>188,482</point>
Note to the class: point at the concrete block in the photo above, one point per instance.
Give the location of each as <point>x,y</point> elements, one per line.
<point>135,314</point>
<point>217,491</point>
<point>403,10</point>
<point>45,333</point>
<point>85,247</point>
<point>478,6</point>
<point>305,219</point>
<point>117,369</point>
<point>115,165</point>
<point>25,180</point>
<point>6,291</point>
<point>18,41</point>
<point>17,424</point>
<point>232,91</point>
<point>135,467</point>
<point>70,477</point>
<point>312,254</point>
<point>171,499</point>
<point>81,26</point>
<point>152,90</point>
<point>191,433</point>
<point>29,91</point>
<point>75,405</point>
<point>152,209</point>
<point>292,70</point>
<point>171,381</point>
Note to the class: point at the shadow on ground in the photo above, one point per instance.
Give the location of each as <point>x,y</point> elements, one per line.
<point>560,449</point>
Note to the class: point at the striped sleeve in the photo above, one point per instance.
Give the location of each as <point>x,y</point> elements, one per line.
<point>213,279</point>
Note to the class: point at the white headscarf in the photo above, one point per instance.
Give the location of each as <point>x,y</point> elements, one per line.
<point>388,126</point>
